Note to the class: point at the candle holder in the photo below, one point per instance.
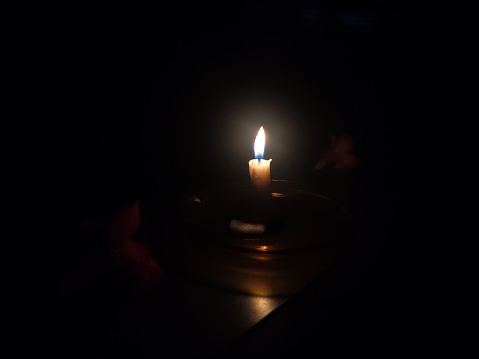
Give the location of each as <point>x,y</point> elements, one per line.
<point>304,233</point>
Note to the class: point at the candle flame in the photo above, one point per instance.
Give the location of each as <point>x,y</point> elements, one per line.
<point>259,144</point>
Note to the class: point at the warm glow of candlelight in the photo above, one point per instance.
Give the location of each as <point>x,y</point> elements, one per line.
<point>259,169</point>
<point>259,144</point>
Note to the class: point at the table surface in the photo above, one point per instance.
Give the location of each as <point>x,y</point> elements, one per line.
<point>192,318</point>
<point>198,318</point>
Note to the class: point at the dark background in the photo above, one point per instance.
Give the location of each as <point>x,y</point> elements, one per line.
<point>121,98</point>
<point>108,103</point>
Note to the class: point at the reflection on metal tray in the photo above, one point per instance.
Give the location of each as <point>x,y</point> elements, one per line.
<point>305,233</point>
<point>295,218</point>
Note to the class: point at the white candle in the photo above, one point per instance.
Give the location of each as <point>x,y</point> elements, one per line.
<point>259,169</point>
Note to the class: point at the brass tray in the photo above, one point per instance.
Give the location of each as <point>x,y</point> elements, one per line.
<point>306,233</point>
